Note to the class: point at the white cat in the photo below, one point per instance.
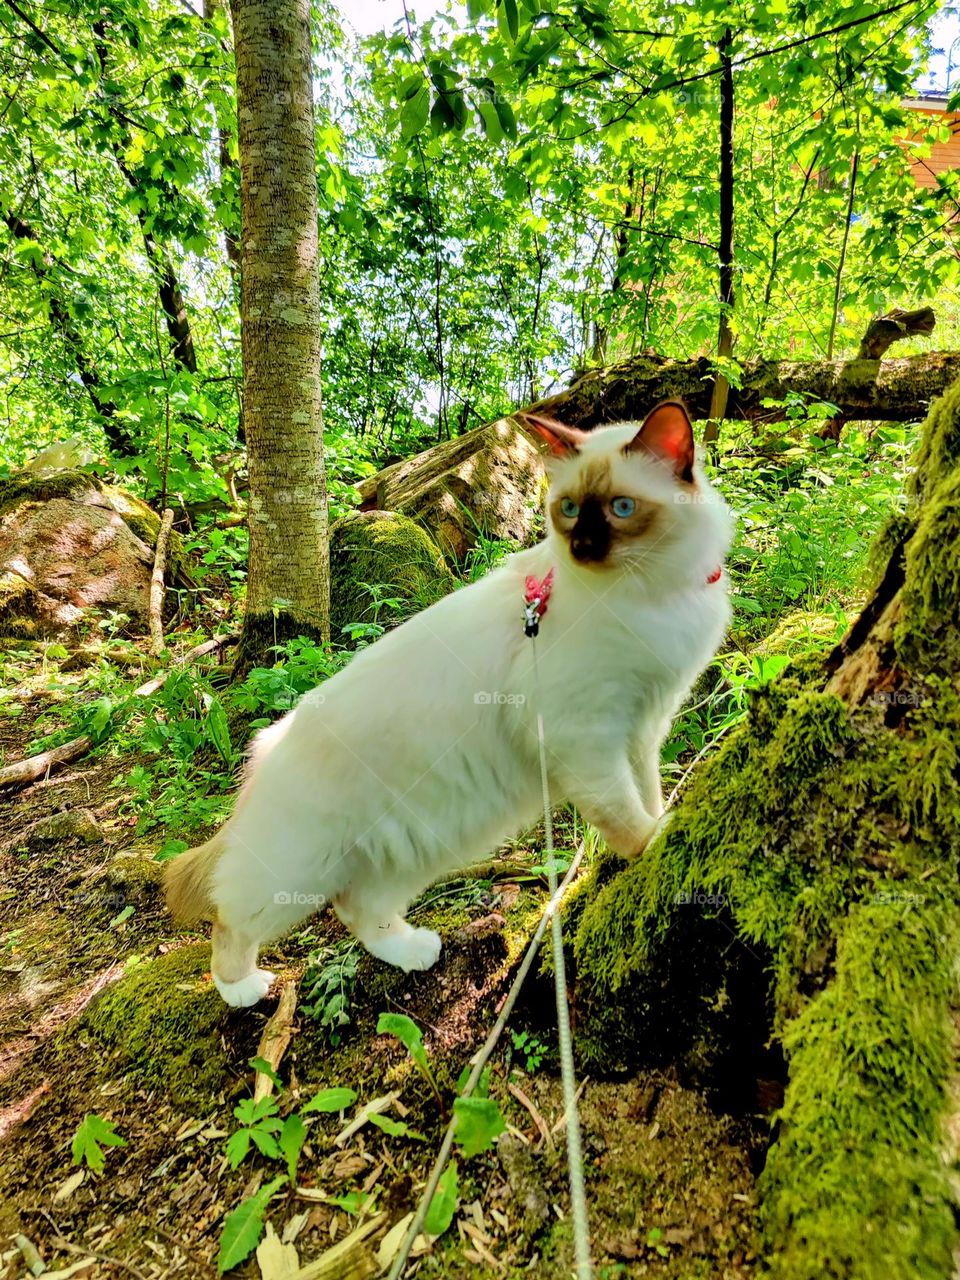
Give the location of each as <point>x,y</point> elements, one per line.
<point>421,756</point>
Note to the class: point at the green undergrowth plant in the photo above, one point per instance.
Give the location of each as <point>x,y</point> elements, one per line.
<point>276,1130</point>
<point>807,510</point>
<point>327,986</point>
<point>280,1140</point>
<point>93,1138</point>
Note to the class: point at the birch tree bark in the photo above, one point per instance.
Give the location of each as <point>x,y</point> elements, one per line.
<point>288,584</point>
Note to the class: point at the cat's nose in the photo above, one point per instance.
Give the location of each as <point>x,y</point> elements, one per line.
<point>589,548</point>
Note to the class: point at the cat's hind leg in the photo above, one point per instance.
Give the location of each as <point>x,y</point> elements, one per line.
<point>234,966</point>
<point>385,933</point>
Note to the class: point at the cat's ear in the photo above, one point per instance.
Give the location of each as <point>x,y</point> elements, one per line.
<point>561,441</point>
<point>667,433</point>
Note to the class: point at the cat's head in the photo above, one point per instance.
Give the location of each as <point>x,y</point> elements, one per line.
<point>632,496</point>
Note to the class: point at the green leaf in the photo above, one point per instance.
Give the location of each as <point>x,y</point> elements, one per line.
<point>478,1123</point>
<point>407,1032</point>
<point>354,1201</point>
<point>508,120</point>
<point>330,1100</point>
<point>249,1112</point>
<point>93,1134</point>
<point>266,1068</point>
<point>442,118</point>
<point>265,1143</point>
<point>413,115</point>
<point>490,121</point>
<point>292,1137</point>
<point>243,1227</point>
<point>508,20</point>
<point>238,1144</point>
<point>218,729</point>
<point>396,1128</point>
<point>410,86</point>
<point>444,1203</point>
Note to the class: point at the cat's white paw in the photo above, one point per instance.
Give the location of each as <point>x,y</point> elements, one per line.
<point>249,990</point>
<point>418,949</point>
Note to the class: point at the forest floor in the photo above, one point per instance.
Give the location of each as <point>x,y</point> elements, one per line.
<point>106,1008</point>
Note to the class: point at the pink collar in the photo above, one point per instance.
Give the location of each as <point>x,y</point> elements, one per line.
<point>536,594</point>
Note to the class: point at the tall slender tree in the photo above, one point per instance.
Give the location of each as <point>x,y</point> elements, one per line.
<point>288,586</point>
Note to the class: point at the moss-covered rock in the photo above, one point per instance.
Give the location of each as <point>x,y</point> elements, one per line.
<point>377,556</point>
<point>487,482</point>
<point>72,547</point>
<point>164,1020</point>
<point>806,890</point>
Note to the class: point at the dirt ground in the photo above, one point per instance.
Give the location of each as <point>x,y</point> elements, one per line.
<point>106,1008</point>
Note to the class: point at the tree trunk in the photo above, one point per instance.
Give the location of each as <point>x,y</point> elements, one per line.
<point>805,894</point>
<point>288,583</point>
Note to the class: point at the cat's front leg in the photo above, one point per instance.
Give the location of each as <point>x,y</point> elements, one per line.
<point>610,800</point>
<point>387,935</point>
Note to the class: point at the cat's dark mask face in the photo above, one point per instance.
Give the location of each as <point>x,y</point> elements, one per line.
<point>614,498</point>
<point>597,519</point>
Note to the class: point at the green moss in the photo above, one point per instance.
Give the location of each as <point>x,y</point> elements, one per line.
<point>800,633</point>
<point>164,1020</point>
<point>855,1185</point>
<point>23,486</point>
<point>389,553</point>
<point>939,450</point>
<point>927,636</point>
<point>145,523</point>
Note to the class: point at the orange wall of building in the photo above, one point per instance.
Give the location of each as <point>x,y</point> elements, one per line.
<point>944,155</point>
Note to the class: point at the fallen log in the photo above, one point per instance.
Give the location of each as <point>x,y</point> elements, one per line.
<point>895,390</point>
<point>487,480</point>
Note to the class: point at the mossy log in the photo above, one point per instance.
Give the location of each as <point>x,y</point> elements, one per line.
<point>486,482</point>
<point>489,480</point>
<point>805,895</point>
<point>896,390</point>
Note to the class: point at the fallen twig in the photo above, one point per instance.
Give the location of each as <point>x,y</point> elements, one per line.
<point>535,1115</point>
<point>156,582</point>
<point>28,1250</point>
<point>39,766</point>
<point>276,1036</point>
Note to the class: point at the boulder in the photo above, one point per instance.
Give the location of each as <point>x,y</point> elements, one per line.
<point>488,481</point>
<point>71,547</point>
<point>393,555</point>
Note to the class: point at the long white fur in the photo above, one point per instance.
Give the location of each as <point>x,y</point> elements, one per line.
<point>421,756</point>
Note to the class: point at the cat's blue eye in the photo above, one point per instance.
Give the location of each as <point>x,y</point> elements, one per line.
<point>569,508</point>
<point>623,507</point>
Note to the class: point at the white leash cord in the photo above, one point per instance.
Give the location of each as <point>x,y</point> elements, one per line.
<point>578,1191</point>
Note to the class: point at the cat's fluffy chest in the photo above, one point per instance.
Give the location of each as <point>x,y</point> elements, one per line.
<point>614,630</point>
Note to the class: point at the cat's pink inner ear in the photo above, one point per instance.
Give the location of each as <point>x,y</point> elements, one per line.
<point>667,433</point>
<point>561,441</point>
